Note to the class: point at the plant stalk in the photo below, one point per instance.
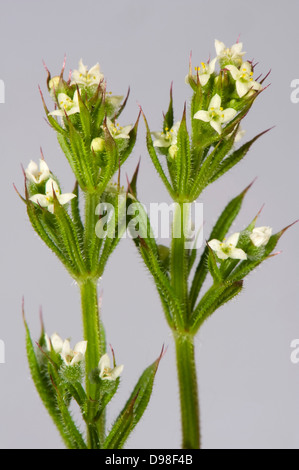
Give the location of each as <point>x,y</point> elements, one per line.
<point>187,379</point>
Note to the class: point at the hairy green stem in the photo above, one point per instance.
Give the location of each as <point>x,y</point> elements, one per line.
<point>178,263</point>
<point>92,334</point>
<point>184,342</point>
<point>188,391</point>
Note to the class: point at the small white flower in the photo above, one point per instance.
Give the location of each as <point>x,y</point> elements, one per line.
<point>167,138</point>
<point>47,200</point>
<point>231,55</point>
<point>216,115</point>
<point>227,249</point>
<point>67,105</point>
<point>72,356</point>
<point>243,77</point>
<point>55,342</point>
<point>37,174</point>
<point>260,236</point>
<point>106,373</point>
<point>204,72</point>
<point>114,100</point>
<point>85,77</point>
<point>117,131</point>
<point>239,135</point>
<point>54,85</point>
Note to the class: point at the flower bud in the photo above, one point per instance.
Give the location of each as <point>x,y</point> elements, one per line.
<point>172,151</point>
<point>98,145</point>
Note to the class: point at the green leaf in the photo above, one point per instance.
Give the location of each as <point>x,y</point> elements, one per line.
<point>112,160</point>
<point>155,160</point>
<point>234,158</point>
<point>85,117</point>
<point>210,164</point>
<point>182,158</point>
<point>36,217</point>
<point>216,296</point>
<point>134,408</point>
<point>213,267</point>
<point>168,117</point>
<point>131,142</point>
<point>43,386</point>
<point>75,164</point>
<point>69,236</point>
<point>70,428</point>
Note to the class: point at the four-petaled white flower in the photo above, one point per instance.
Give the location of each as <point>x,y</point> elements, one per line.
<point>72,356</point>
<point>205,71</point>
<point>54,342</point>
<point>117,131</point>
<point>216,115</point>
<point>37,174</point>
<point>167,138</point>
<point>243,78</point>
<point>67,105</point>
<point>47,200</point>
<point>227,249</point>
<point>231,55</point>
<point>69,356</point>
<point>85,77</point>
<point>106,373</point>
<point>260,236</point>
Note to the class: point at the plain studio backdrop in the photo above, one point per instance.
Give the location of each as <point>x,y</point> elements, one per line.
<point>249,389</point>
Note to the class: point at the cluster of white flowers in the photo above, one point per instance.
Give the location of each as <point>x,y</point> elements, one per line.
<point>228,248</point>
<point>74,356</point>
<point>69,356</point>
<point>241,72</point>
<point>40,174</point>
<point>83,78</point>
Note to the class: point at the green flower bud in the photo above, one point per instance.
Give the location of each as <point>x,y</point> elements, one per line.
<point>98,145</point>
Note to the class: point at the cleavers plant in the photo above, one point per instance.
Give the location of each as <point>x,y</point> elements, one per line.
<point>95,146</point>
<point>187,162</point>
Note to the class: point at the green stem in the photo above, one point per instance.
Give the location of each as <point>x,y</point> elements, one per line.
<point>93,335</point>
<point>178,264</point>
<point>188,391</point>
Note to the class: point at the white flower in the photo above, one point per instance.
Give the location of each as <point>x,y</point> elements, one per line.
<point>229,55</point>
<point>47,200</point>
<point>37,174</point>
<point>227,249</point>
<point>243,77</point>
<point>69,356</point>
<point>260,236</point>
<point>67,105</point>
<point>55,342</point>
<point>117,131</point>
<point>106,373</point>
<point>204,72</point>
<point>114,100</point>
<point>167,138</point>
<point>216,115</point>
<point>72,356</point>
<point>239,135</point>
<point>85,77</point>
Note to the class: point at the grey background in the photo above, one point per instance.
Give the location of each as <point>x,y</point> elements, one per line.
<point>249,390</point>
